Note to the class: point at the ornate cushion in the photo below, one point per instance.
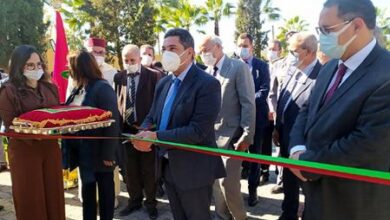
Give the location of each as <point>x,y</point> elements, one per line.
<point>72,118</point>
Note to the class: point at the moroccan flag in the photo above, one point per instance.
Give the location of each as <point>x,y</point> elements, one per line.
<point>60,61</point>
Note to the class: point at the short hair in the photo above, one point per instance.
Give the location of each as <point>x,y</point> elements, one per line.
<point>83,67</point>
<point>349,9</point>
<point>215,39</point>
<point>306,40</point>
<point>129,47</point>
<point>278,43</point>
<point>184,35</point>
<point>147,46</point>
<point>246,35</point>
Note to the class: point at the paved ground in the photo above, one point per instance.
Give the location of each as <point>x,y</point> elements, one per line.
<point>267,209</point>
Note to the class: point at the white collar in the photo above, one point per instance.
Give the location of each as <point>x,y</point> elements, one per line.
<point>355,60</point>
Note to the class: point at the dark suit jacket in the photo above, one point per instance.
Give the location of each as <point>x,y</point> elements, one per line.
<point>352,129</point>
<point>261,78</point>
<point>144,94</point>
<point>91,153</point>
<point>192,119</point>
<point>298,99</point>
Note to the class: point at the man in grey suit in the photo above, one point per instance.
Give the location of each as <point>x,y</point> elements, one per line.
<point>347,119</point>
<point>235,124</point>
<point>185,106</point>
<point>295,91</point>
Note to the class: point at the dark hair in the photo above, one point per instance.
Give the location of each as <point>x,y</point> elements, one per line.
<point>83,67</point>
<point>147,46</point>
<point>246,35</point>
<point>349,9</point>
<point>185,37</point>
<point>18,61</point>
<point>277,42</point>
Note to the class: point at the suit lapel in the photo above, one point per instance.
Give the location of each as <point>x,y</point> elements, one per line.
<point>356,75</point>
<point>225,70</point>
<point>184,87</point>
<point>309,80</point>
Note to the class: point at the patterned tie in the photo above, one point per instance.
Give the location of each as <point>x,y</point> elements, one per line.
<point>287,94</point>
<point>215,71</point>
<point>130,107</point>
<point>339,77</point>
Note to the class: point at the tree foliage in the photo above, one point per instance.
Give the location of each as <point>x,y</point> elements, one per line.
<point>295,23</point>
<point>118,21</point>
<point>250,18</point>
<point>217,9</point>
<point>383,23</point>
<point>21,22</point>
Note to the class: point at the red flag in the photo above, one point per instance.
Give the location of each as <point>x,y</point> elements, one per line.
<point>60,61</point>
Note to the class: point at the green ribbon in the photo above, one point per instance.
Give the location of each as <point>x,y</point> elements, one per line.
<point>367,175</point>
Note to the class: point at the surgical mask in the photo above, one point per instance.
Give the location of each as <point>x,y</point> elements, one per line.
<point>33,74</point>
<point>171,61</point>
<point>132,68</point>
<point>208,59</point>
<point>329,43</point>
<point>272,55</point>
<point>146,60</point>
<point>293,59</point>
<point>244,53</point>
<point>99,60</point>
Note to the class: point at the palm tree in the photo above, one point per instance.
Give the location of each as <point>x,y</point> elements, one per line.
<point>180,13</point>
<point>217,9</point>
<point>293,24</point>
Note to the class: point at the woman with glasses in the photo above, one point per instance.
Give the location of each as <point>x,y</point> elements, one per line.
<point>96,159</point>
<point>36,169</point>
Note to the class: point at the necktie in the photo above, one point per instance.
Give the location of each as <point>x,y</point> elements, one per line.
<point>339,77</point>
<point>130,108</point>
<point>287,94</point>
<point>215,71</point>
<point>168,104</point>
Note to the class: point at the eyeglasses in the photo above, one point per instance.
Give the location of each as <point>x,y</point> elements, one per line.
<point>328,30</point>
<point>33,66</point>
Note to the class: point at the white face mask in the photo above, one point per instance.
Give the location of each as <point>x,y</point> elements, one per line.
<point>146,60</point>
<point>33,74</point>
<point>132,68</point>
<point>272,55</point>
<point>293,59</point>
<point>171,61</point>
<point>99,60</point>
<point>244,53</point>
<point>208,59</point>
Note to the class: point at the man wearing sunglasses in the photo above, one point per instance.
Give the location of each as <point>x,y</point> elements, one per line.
<point>347,118</point>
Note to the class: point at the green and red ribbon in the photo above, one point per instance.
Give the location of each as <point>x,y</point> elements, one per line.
<point>366,175</point>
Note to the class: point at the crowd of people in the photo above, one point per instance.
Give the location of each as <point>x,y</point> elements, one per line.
<point>326,100</point>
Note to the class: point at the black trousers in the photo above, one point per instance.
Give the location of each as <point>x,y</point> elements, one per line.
<point>191,204</point>
<point>140,177</point>
<point>105,183</point>
<point>254,168</point>
<point>266,147</point>
<point>291,183</point>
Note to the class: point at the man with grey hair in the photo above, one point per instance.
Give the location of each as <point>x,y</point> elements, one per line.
<point>135,88</point>
<point>235,124</point>
<point>295,91</point>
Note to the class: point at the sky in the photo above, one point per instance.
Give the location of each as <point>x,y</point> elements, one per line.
<point>309,10</point>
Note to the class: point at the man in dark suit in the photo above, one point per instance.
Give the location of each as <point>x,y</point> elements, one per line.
<point>261,79</point>
<point>135,88</point>
<point>295,91</point>
<point>347,118</point>
<point>182,112</point>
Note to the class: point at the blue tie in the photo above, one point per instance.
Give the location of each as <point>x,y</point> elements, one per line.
<point>168,104</point>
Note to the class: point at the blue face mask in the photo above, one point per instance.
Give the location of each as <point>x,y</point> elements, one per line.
<point>244,53</point>
<point>329,43</point>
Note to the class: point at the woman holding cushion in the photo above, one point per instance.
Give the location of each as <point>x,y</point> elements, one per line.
<point>96,158</point>
<point>36,171</point>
